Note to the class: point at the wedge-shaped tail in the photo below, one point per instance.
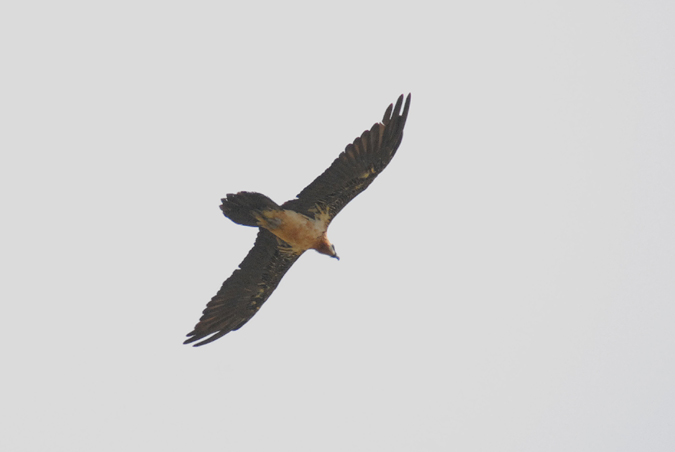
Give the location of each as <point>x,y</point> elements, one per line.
<point>246,207</point>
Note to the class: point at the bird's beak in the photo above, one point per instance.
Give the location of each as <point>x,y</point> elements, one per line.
<point>337,257</point>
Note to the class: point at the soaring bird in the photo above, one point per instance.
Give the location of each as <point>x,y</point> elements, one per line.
<point>287,231</point>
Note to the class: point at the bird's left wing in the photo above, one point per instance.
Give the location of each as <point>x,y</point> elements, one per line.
<point>243,293</point>
<point>355,168</point>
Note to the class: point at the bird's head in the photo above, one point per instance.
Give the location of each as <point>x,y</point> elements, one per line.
<point>327,248</point>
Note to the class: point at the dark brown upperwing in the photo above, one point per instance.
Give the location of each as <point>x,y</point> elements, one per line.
<point>355,168</point>
<point>243,293</point>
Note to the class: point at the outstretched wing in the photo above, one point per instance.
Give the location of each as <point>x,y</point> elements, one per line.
<point>243,293</point>
<point>355,168</point>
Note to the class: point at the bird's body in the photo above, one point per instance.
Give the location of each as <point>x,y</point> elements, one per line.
<point>299,231</point>
<point>296,226</point>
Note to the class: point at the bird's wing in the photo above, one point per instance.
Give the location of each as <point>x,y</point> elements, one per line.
<point>355,168</point>
<point>243,293</point>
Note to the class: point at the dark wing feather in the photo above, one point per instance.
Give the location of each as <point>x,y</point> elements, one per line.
<point>355,168</point>
<point>243,293</point>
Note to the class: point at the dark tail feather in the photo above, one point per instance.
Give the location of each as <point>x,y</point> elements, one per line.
<point>242,207</point>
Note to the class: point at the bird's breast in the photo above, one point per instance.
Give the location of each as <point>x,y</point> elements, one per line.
<point>296,229</point>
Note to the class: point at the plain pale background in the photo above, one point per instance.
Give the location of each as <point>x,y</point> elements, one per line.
<point>507,284</point>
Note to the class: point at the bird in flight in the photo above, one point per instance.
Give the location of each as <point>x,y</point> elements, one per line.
<point>287,231</point>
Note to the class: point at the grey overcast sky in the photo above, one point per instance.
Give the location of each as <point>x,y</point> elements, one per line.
<point>507,284</point>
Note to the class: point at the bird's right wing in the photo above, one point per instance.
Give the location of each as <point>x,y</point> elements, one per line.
<point>243,293</point>
<point>355,168</point>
